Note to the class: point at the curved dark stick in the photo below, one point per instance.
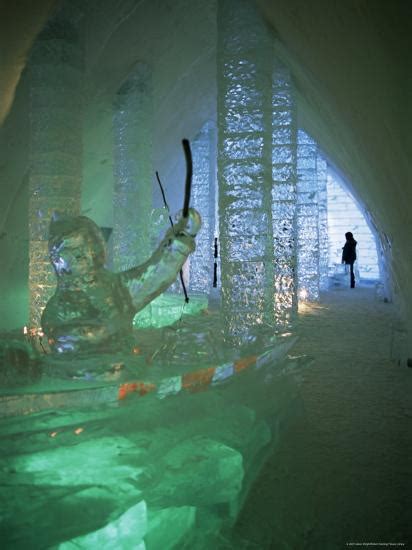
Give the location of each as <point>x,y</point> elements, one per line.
<point>189,174</point>
<point>164,198</point>
<point>188,190</point>
<point>183,286</point>
<point>171,223</point>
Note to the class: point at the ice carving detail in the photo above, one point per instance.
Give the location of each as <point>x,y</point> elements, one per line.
<point>94,306</point>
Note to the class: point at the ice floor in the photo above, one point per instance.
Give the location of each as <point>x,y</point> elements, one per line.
<point>344,474</point>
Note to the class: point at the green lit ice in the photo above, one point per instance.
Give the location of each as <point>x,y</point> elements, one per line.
<point>142,472</point>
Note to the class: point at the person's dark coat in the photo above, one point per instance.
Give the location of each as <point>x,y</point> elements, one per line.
<point>349,250</point>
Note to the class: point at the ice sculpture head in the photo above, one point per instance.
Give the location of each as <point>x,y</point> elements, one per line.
<point>76,246</point>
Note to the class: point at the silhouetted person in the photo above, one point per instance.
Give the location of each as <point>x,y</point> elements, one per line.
<point>349,255</point>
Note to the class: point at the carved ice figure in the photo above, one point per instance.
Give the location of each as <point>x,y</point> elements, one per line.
<point>92,305</point>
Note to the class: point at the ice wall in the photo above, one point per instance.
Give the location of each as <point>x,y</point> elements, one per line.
<point>56,97</point>
<point>284,194</point>
<point>244,70</point>
<point>132,201</point>
<point>203,195</point>
<point>307,218</point>
<point>345,215</point>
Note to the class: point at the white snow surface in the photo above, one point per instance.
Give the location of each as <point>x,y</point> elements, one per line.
<point>343,473</point>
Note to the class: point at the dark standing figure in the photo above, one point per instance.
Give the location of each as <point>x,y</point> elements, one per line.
<point>349,255</point>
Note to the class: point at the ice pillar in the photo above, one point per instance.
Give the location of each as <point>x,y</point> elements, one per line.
<point>307,218</point>
<point>244,166</point>
<point>201,261</point>
<point>132,201</point>
<point>322,176</point>
<point>56,97</point>
<point>284,194</point>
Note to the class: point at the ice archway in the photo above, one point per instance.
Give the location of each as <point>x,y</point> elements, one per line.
<point>347,64</point>
<point>368,142</point>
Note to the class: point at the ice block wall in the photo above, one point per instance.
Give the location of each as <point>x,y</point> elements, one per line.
<point>345,215</point>
<point>203,188</point>
<point>284,194</point>
<point>132,200</point>
<point>56,97</point>
<point>322,173</point>
<point>307,218</point>
<point>244,166</point>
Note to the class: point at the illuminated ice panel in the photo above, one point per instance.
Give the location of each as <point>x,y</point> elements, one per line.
<point>307,218</point>
<point>201,261</point>
<point>55,71</point>
<point>132,201</point>
<point>284,194</point>
<point>322,172</point>
<point>244,129</point>
<point>345,215</point>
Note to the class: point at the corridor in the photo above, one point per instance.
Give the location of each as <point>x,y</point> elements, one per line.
<point>343,472</point>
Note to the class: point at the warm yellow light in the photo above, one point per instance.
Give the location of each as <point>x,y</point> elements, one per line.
<point>303,294</point>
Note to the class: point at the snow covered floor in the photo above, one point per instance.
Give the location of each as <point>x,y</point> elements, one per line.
<point>344,473</point>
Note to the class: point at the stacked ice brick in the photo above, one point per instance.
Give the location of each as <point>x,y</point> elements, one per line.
<point>56,95</point>
<point>284,194</point>
<point>322,173</point>
<point>201,261</point>
<point>132,200</point>
<point>244,165</point>
<point>307,218</point>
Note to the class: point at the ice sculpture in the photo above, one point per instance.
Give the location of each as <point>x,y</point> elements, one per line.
<point>93,307</point>
<point>284,194</point>
<point>244,166</point>
<point>132,129</point>
<point>55,72</point>
<point>201,262</point>
<point>307,218</point>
